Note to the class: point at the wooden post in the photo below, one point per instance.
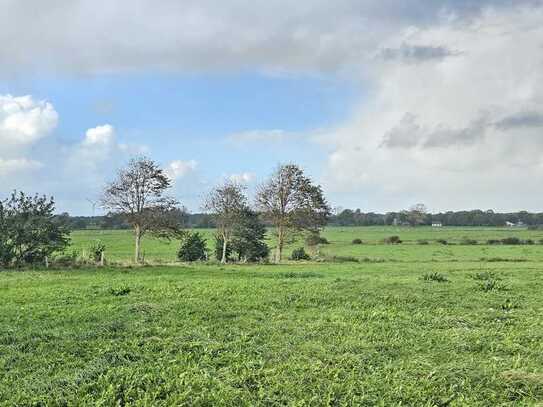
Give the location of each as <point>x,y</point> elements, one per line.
<point>46,262</point>
<point>102,258</point>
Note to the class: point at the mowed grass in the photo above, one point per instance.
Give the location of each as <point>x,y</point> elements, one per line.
<point>408,324</point>
<point>120,245</point>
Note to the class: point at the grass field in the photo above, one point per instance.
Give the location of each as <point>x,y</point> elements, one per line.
<point>410,325</point>
<point>120,245</point>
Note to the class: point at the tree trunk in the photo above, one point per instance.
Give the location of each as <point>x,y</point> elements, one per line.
<point>279,250</point>
<point>137,232</point>
<point>223,259</point>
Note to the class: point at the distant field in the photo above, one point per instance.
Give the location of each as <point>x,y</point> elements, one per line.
<point>120,245</point>
<point>307,334</point>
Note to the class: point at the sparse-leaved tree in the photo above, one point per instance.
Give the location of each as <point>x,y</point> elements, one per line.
<point>226,203</point>
<point>292,203</point>
<point>138,195</point>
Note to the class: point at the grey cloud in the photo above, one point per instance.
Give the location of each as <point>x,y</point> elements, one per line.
<point>89,37</point>
<point>406,134</point>
<point>409,134</point>
<point>523,119</point>
<point>417,53</point>
<point>446,137</point>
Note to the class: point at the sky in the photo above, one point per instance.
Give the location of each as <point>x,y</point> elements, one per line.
<point>385,103</point>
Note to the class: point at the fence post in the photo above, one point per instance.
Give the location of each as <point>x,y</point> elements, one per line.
<point>46,262</point>
<point>102,258</point>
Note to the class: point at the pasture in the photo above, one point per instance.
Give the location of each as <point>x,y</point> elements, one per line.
<point>410,324</point>
<point>120,245</point>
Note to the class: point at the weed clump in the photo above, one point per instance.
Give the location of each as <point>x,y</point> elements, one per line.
<point>357,241</point>
<point>440,278</point>
<point>492,285</point>
<point>119,291</point>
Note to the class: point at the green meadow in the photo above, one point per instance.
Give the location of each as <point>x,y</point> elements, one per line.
<point>120,245</point>
<point>410,324</point>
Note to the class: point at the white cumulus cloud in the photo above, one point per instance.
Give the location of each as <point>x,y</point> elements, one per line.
<point>179,169</point>
<point>24,121</point>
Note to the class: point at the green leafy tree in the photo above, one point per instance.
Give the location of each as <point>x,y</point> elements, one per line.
<point>28,230</point>
<point>247,242</point>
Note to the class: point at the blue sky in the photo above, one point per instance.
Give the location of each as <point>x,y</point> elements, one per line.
<point>384,103</point>
<point>191,117</point>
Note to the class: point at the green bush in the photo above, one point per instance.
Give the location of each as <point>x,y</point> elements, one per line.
<point>315,239</point>
<point>299,254</point>
<point>193,247</point>
<point>357,241</point>
<point>511,240</point>
<point>393,240</point>
<point>96,249</point>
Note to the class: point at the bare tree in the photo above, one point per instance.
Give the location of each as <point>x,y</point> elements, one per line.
<point>227,203</point>
<point>417,214</point>
<point>137,194</point>
<point>292,203</point>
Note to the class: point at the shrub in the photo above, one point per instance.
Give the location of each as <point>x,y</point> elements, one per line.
<point>491,285</point>
<point>469,242</point>
<point>529,242</point>
<point>299,254</point>
<point>96,249</point>
<point>511,240</point>
<point>315,239</point>
<point>29,232</point>
<point>357,241</point>
<point>440,278</point>
<point>393,240</point>
<point>493,241</point>
<point>442,241</point>
<point>193,247</point>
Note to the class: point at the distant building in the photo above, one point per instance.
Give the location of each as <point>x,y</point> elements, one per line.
<point>437,224</point>
<point>519,224</point>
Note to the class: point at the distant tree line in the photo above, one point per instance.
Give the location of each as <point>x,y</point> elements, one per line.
<point>349,217</point>
<point>346,217</point>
